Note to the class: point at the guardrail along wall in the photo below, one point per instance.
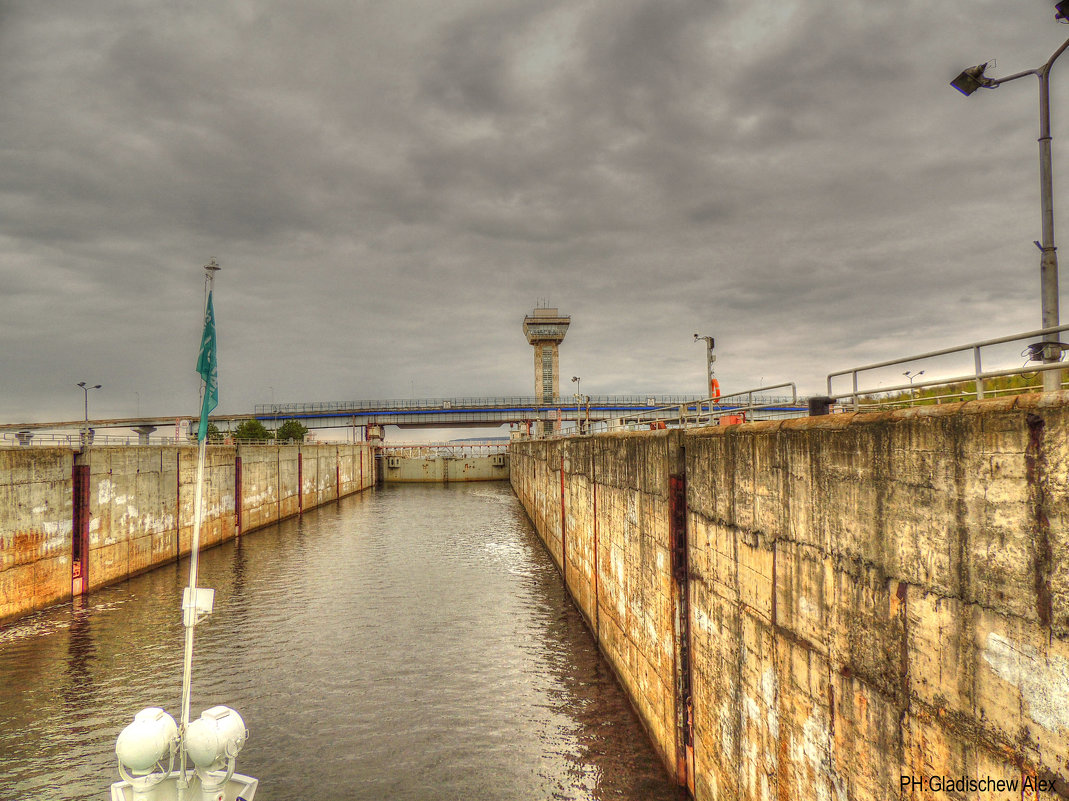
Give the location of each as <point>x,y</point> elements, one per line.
<point>858,599</point>
<point>71,522</point>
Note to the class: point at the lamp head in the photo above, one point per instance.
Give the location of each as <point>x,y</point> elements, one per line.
<point>1061,11</point>
<point>81,384</point>
<point>971,79</point>
<point>146,742</point>
<point>215,737</point>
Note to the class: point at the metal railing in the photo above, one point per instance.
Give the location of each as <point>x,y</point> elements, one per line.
<point>51,440</point>
<point>662,411</point>
<point>978,375</point>
<point>747,405</point>
<point>522,401</point>
<point>75,441</point>
<point>456,450</point>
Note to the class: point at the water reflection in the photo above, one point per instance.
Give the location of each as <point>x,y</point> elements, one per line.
<point>413,643</point>
<point>77,689</point>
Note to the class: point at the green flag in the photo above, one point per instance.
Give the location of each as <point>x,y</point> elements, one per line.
<point>207,366</point>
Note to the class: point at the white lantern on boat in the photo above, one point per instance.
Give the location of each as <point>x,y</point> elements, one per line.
<point>144,745</point>
<point>214,739</point>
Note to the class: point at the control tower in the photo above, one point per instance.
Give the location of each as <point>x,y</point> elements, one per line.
<point>545,330</point>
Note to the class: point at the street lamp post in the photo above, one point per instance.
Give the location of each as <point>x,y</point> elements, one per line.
<point>968,82</point>
<point>710,377</point>
<point>85,429</point>
<point>578,403</point>
<point>911,375</point>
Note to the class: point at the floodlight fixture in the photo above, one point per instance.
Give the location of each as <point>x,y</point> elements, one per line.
<point>144,746</point>
<point>212,742</point>
<point>972,79</point>
<point>1061,11</point>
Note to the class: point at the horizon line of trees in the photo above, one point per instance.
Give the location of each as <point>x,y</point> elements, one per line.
<point>255,431</point>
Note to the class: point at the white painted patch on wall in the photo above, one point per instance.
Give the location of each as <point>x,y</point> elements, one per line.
<point>752,768</point>
<point>1043,681</point>
<point>157,524</point>
<point>105,491</point>
<point>727,731</point>
<point>815,749</point>
<point>768,693</point>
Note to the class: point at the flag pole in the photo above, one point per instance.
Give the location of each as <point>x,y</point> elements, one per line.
<point>189,606</point>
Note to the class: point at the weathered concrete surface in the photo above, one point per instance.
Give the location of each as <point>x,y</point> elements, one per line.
<point>601,507</point>
<point>444,470</point>
<point>35,528</point>
<point>141,502</point>
<point>870,596</point>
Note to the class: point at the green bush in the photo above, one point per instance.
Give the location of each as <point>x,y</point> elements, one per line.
<point>291,430</point>
<point>252,430</point>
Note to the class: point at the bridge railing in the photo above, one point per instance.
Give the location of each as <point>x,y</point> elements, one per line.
<point>458,403</point>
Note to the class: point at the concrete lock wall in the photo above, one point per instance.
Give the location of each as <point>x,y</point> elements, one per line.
<point>602,505</point>
<point>863,597</point>
<point>35,528</point>
<point>141,503</point>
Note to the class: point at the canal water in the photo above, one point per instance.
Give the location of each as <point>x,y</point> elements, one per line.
<point>409,643</point>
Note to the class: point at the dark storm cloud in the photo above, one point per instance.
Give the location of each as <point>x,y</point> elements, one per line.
<point>391,186</point>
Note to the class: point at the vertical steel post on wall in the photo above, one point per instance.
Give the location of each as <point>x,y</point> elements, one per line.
<point>677,522</point>
<point>978,371</point>
<point>80,530</point>
<point>237,495</point>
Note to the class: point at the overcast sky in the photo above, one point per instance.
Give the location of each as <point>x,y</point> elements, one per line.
<point>390,185</point>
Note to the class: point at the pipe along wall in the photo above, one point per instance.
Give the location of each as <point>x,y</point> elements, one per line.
<point>842,607</point>
<point>71,522</point>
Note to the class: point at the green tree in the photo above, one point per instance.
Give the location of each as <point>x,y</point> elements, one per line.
<point>252,430</point>
<point>291,430</point>
<point>214,434</point>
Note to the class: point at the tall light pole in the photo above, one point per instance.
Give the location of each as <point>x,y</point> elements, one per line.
<point>911,375</point>
<point>711,383</point>
<point>85,429</point>
<point>968,82</point>
<point>578,402</point>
